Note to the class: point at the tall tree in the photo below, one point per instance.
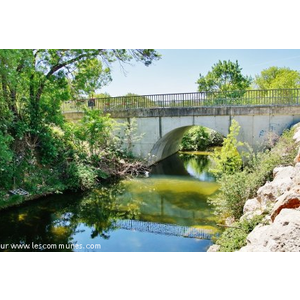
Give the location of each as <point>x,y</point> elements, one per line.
<point>34,82</point>
<point>224,76</point>
<point>277,78</point>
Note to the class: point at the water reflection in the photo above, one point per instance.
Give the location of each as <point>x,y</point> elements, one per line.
<point>197,165</point>
<point>166,212</point>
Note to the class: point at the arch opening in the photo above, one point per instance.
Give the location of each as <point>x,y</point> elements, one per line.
<point>170,143</point>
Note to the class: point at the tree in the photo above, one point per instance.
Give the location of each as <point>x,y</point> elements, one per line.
<point>33,85</point>
<point>35,82</point>
<point>224,76</point>
<point>277,78</point>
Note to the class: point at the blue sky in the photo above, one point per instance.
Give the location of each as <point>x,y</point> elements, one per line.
<point>178,69</point>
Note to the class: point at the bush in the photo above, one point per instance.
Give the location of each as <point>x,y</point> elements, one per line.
<point>80,176</point>
<point>228,160</point>
<point>236,188</point>
<point>196,139</point>
<point>232,195</point>
<point>215,139</point>
<point>234,238</point>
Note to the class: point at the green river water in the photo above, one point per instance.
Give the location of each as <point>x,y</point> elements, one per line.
<point>166,211</point>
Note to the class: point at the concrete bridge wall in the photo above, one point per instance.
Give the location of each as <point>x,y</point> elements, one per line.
<point>163,128</point>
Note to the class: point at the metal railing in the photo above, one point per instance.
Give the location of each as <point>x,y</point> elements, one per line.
<point>196,99</point>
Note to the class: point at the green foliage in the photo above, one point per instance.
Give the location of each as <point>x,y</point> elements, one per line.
<point>90,76</point>
<point>233,193</point>
<point>6,158</point>
<point>80,176</point>
<point>237,187</point>
<point>94,129</point>
<point>215,139</point>
<point>261,164</point>
<point>38,150</point>
<point>225,76</point>
<point>227,159</point>
<point>234,238</point>
<point>277,78</point>
<point>196,139</point>
<point>199,138</point>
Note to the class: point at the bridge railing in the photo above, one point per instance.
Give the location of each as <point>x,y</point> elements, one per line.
<point>195,99</point>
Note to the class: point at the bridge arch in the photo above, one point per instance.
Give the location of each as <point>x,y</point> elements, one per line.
<point>169,143</point>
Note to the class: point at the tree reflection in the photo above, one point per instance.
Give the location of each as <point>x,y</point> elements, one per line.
<point>57,219</point>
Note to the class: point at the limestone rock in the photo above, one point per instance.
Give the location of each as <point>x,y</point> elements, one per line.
<point>213,248</point>
<point>252,208</point>
<point>281,236</point>
<point>251,205</point>
<point>297,158</point>
<point>280,173</point>
<point>283,181</point>
<point>288,200</point>
<point>296,136</point>
<point>267,193</point>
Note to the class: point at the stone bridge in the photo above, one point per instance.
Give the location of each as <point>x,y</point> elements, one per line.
<point>162,120</point>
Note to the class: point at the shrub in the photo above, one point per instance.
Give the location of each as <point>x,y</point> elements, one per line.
<point>196,139</point>
<point>232,195</point>
<point>215,139</point>
<point>236,188</point>
<point>234,238</point>
<point>228,160</point>
<point>80,176</point>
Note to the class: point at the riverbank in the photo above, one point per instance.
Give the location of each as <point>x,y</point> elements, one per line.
<point>16,200</point>
<point>122,169</point>
<point>276,209</point>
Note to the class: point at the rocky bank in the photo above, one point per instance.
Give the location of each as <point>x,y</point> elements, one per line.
<point>279,201</point>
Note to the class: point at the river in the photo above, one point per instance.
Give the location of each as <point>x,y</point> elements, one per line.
<point>165,211</point>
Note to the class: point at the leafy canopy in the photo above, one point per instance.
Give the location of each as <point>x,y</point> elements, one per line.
<point>224,76</point>
<point>277,78</point>
<point>34,82</point>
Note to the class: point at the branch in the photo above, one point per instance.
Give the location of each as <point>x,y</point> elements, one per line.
<point>71,61</point>
<point>59,66</point>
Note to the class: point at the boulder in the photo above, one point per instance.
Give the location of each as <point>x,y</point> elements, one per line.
<point>281,236</point>
<point>288,200</point>
<point>251,205</point>
<point>297,158</point>
<point>251,208</point>
<point>281,173</point>
<point>296,136</point>
<point>283,181</point>
<point>213,248</point>
<point>255,239</point>
<point>267,194</point>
